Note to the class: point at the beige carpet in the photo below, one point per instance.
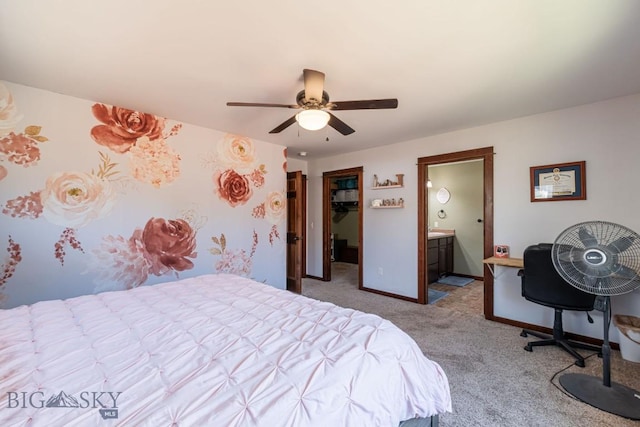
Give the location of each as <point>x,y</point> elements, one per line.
<point>493,381</point>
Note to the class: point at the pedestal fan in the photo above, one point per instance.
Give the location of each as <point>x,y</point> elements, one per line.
<point>600,258</point>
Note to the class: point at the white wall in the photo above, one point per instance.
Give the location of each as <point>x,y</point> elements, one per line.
<point>606,135</point>
<point>294,165</point>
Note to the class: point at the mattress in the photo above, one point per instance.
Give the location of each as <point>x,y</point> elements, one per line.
<point>217,350</point>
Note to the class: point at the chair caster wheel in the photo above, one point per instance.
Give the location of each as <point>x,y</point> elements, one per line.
<point>579,363</point>
<point>523,334</point>
<point>528,348</point>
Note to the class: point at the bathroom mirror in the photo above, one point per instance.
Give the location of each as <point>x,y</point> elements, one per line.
<point>443,195</point>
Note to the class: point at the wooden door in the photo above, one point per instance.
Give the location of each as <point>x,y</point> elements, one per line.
<point>294,231</point>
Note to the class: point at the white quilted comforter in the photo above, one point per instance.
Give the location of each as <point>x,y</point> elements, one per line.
<point>215,350</point>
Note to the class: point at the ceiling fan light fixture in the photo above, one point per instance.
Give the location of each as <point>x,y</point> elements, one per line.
<point>312,119</point>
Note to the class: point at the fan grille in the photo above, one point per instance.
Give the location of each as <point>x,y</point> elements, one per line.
<point>598,257</point>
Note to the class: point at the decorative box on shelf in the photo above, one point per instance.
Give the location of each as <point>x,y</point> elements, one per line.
<point>387,203</point>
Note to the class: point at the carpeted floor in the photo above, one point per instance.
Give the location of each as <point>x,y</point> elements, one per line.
<point>493,381</point>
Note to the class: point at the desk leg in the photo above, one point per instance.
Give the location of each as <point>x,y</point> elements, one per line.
<point>491,270</point>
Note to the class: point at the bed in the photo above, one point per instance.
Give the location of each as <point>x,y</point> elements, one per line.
<point>217,350</point>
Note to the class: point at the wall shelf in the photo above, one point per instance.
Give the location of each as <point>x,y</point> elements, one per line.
<point>387,183</point>
<point>384,187</point>
<point>386,207</point>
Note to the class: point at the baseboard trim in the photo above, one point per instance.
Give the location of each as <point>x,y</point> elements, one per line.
<point>389,294</point>
<point>373,291</point>
<point>545,330</point>
<point>479,278</point>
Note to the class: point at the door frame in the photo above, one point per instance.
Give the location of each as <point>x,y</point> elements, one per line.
<point>486,154</point>
<point>326,219</point>
<point>294,258</point>
<point>305,182</point>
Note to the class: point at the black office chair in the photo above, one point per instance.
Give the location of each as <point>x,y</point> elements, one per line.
<point>542,284</point>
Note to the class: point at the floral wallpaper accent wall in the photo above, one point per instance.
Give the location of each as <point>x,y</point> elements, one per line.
<point>113,198</point>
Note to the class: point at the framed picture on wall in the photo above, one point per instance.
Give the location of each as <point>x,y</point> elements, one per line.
<point>562,181</point>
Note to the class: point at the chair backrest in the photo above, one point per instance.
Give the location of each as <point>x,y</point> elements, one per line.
<point>542,284</point>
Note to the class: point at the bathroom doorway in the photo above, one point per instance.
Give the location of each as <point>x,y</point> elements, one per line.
<point>485,155</point>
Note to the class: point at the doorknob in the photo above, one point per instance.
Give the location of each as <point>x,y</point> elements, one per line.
<point>479,220</point>
<point>292,238</point>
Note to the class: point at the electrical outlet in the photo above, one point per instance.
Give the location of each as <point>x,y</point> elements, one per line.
<point>380,271</point>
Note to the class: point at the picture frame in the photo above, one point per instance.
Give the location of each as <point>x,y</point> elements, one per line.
<point>561,181</point>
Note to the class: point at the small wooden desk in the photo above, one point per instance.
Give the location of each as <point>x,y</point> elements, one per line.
<point>504,262</point>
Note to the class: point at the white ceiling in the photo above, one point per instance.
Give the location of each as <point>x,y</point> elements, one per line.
<point>451,64</point>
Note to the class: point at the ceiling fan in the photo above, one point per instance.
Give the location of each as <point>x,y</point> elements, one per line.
<point>315,106</point>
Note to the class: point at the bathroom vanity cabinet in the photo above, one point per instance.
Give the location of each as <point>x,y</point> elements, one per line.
<point>439,257</point>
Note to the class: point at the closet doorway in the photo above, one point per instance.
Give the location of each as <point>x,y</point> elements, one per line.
<point>486,155</point>
<point>342,202</point>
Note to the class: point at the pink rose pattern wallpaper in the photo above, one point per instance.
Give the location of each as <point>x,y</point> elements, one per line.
<point>140,135</point>
<point>234,261</point>
<point>161,247</point>
<point>127,198</point>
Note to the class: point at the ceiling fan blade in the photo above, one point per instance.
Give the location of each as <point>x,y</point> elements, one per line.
<point>284,125</point>
<point>339,125</point>
<point>259,104</point>
<point>371,104</point>
<point>313,85</point>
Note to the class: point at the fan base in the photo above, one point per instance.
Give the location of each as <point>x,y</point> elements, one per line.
<point>617,399</point>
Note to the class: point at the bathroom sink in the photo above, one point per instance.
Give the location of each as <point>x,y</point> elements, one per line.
<point>437,234</point>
